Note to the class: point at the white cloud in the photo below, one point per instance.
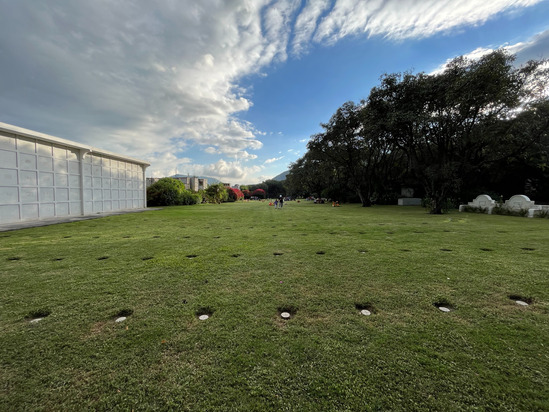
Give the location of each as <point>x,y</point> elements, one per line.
<point>274,159</point>
<point>155,79</point>
<point>535,48</point>
<point>400,19</point>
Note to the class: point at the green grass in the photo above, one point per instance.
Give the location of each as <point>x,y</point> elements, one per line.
<point>251,262</point>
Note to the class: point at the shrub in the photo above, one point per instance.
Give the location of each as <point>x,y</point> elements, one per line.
<point>502,210</point>
<point>170,192</point>
<point>235,194</point>
<point>475,209</point>
<point>260,193</point>
<point>247,194</point>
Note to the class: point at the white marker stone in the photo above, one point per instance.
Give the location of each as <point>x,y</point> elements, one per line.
<point>521,303</point>
<point>285,315</point>
<point>36,320</point>
<point>203,317</point>
<point>120,319</point>
<point>365,312</point>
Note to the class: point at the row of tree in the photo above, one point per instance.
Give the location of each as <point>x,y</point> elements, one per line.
<point>477,126</point>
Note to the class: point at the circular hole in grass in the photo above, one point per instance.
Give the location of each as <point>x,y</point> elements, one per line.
<point>38,314</point>
<point>528,300</point>
<point>528,248</point>
<point>278,253</point>
<point>204,312</point>
<point>192,256</point>
<point>287,311</point>
<point>103,258</point>
<point>126,237</point>
<point>58,259</point>
<point>156,237</point>
<point>236,255</point>
<point>362,251</point>
<point>67,237</point>
<point>390,233</point>
<point>443,305</point>
<point>445,250</point>
<point>320,252</point>
<point>95,237</point>
<point>14,258</point>
<point>485,249</point>
<point>186,237</point>
<point>365,308</point>
<point>217,237</point>
<point>147,258</point>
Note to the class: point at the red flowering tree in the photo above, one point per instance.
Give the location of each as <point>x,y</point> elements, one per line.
<point>247,194</point>
<point>235,194</point>
<point>260,193</point>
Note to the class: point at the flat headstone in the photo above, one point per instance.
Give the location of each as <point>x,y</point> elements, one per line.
<point>521,303</point>
<point>203,317</point>
<point>285,315</point>
<point>365,312</point>
<point>442,308</point>
<point>36,320</point>
<point>120,319</point>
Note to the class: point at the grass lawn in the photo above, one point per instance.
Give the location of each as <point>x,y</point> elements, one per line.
<point>248,262</point>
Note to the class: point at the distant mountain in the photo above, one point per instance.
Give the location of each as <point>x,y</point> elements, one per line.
<point>211,180</point>
<point>281,176</point>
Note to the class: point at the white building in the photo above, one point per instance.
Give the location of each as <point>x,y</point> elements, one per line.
<point>43,176</point>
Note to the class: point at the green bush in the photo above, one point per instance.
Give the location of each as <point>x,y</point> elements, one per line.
<point>502,210</point>
<point>170,192</point>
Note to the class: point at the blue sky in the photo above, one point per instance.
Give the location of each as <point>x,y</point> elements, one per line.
<point>230,89</point>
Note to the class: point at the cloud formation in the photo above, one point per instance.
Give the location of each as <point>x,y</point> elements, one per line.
<point>156,79</point>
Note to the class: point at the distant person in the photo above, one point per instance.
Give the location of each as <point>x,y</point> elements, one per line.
<point>281,201</point>
<point>276,203</point>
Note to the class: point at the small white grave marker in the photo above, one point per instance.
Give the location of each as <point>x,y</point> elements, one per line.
<point>521,303</point>
<point>442,308</point>
<point>203,317</point>
<point>120,319</point>
<point>36,320</point>
<point>285,315</point>
<point>365,312</point>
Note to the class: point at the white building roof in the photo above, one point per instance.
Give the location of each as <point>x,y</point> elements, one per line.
<point>8,128</point>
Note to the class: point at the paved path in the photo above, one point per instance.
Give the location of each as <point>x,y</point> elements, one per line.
<point>53,221</point>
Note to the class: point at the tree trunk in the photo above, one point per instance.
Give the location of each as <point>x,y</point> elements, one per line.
<point>364,199</point>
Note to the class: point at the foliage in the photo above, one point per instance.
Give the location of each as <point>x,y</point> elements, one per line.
<point>247,194</point>
<point>474,209</point>
<point>234,194</point>
<point>216,193</point>
<point>170,192</point>
<point>500,209</point>
<point>260,193</point>
<point>477,125</point>
<point>446,122</point>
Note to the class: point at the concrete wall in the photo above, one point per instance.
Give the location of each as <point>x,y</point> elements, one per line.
<point>43,177</point>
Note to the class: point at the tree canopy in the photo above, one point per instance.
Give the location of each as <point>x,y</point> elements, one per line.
<point>439,132</point>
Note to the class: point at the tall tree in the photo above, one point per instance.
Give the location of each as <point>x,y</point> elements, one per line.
<point>445,122</point>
